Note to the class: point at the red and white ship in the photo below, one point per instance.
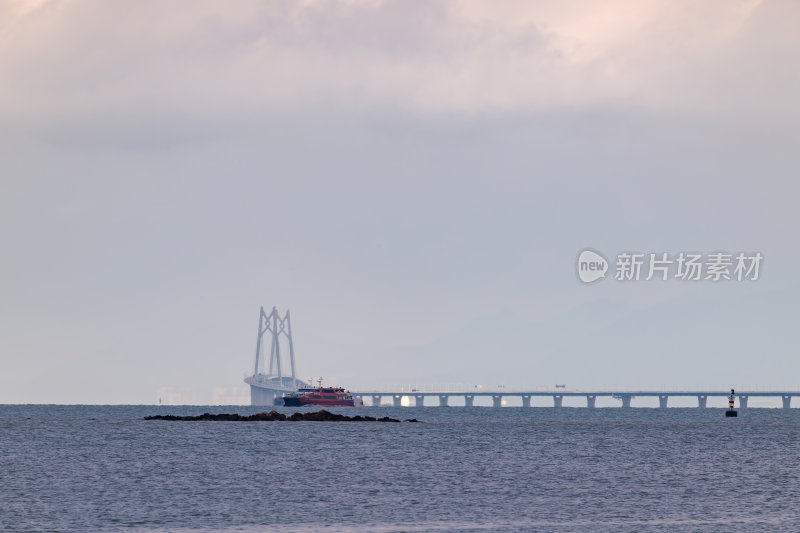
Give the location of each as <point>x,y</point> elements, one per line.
<point>328,396</point>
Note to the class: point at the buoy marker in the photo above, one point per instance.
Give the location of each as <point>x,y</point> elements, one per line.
<point>731,411</point>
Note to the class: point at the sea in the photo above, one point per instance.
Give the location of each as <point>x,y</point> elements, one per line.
<point>482,469</point>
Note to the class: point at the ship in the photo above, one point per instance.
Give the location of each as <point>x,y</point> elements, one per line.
<point>327,396</point>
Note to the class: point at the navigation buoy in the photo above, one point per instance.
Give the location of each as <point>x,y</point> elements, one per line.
<point>731,411</point>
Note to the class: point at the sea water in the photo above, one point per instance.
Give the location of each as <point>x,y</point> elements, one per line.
<point>104,468</point>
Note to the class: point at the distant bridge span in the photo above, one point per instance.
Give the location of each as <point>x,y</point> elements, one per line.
<point>558,396</point>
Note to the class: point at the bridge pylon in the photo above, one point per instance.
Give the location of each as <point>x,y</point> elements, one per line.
<point>270,382</point>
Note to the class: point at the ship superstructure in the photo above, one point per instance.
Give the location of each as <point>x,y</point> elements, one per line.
<point>327,396</point>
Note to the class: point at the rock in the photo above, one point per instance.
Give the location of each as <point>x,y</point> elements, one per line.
<point>319,416</point>
<point>267,417</point>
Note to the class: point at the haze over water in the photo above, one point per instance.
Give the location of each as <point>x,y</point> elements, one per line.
<point>103,468</point>
<point>414,180</point>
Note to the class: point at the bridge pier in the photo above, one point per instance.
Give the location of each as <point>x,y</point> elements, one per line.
<point>526,400</point>
<point>626,400</point>
<point>469,400</point>
<point>787,401</point>
<point>497,401</point>
<point>376,400</point>
<point>397,400</point>
<point>419,401</point>
<point>443,400</point>
<point>591,401</point>
<point>558,400</point>
<point>261,396</point>
<point>743,401</point>
<point>701,401</point>
<point>662,401</point>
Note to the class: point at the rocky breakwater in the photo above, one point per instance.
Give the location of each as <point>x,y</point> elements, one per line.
<point>272,416</point>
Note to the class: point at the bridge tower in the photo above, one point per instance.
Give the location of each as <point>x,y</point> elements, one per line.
<point>266,386</point>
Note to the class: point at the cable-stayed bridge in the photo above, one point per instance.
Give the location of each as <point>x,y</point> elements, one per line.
<point>272,378</point>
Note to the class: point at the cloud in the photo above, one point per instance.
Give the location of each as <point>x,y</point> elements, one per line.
<point>65,58</point>
<point>390,171</point>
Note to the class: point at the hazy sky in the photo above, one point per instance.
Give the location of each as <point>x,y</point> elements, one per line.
<point>414,180</point>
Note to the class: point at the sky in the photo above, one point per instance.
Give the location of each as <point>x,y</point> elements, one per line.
<point>414,180</point>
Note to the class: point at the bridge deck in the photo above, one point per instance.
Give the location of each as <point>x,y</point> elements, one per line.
<point>558,392</point>
<point>558,395</point>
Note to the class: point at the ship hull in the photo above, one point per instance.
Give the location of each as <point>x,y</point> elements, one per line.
<point>290,401</point>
